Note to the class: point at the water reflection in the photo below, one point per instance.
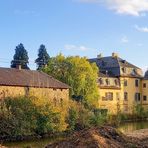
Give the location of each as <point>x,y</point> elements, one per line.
<point>132,126</point>
<point>39,143</point>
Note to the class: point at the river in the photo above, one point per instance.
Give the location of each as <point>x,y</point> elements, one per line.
<point>41,143</point>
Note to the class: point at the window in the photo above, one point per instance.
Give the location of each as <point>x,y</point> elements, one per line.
<point>125,96</point>
<point>125,82</point>
<point>109,96</point>
<point>144,98</point>
<point>144,85</point>
<point>61,102</point>
<point>101,81</point>
<point>118,96</point>
<point>136,83</point>
<point>137,97</point>
<point>55,102</point>
<point>116,82</point>
<point>107,82</point>
<point>124,70</point>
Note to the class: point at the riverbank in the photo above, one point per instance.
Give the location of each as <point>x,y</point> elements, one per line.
<point>103,137</point>
<point>140,134</point>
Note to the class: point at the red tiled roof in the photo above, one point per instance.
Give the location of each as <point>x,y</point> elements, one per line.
<point>30,78</point>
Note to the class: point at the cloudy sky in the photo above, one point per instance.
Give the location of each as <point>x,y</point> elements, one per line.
<point>75,27</point>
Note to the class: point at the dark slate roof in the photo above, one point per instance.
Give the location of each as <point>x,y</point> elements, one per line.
<point>105,62</point>
<point>146,75</point>
<point>112,62</point>
<point>28,78</point>
<point>124,63</point>
<point>112,65</point>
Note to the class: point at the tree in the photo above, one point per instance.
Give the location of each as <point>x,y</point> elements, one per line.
<point>20,57</point>
<point>78,73</point>
<point>43,57</point>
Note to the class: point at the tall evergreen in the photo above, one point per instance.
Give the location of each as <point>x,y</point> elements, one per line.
<point>43,57</point>
<point>20,57</point>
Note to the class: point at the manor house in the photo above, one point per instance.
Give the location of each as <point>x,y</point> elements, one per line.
<point>122,85</point>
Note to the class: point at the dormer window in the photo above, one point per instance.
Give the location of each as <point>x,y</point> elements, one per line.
<point>116,82</point>
<point>101,81</point>
<point>107,82</point>
<point>124,70</point>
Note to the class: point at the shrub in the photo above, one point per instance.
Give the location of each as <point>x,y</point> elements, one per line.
<point>72,119</point>
<point>21,117</point>
<point>99,117</point>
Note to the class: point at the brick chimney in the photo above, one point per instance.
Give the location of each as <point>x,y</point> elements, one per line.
<point>115,55</point>
<point>99,56</point>
<point>19,66</point>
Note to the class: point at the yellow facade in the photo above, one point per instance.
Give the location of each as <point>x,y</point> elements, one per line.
<point>55,95</point>
<point>113,106</point>
<point>122,85</point>
<point>132,91</point>
<point>145,94</point>
<point>122,94</point>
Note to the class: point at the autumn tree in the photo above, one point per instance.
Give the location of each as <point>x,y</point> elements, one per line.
<point>78,73</point>
<point>20,57</point>
<point>43,57</point>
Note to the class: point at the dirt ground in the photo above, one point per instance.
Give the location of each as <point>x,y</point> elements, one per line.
<point>103,137</point>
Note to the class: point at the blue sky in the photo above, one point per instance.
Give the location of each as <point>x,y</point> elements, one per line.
<point>75,27</point>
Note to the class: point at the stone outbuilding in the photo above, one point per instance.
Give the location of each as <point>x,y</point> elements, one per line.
<point>21,82</point>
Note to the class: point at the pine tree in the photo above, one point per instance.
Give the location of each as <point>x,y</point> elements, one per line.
<point>20,57</point>
<point>43,57</point>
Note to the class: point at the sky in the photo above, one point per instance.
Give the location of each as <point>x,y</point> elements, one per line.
<point>75,27</point>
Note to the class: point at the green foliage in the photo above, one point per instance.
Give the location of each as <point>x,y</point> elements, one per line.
<point>80,117</point>
<point>79,74</point>
<point>43,57</point>
<point>99,117</point>
<point>72,119</point>
<point>22,117</point>
<point>20,57</point>
<point>139,111</point>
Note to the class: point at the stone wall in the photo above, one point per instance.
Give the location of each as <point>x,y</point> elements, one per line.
<point>49,93</point>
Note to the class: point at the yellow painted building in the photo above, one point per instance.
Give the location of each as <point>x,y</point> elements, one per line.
<point>20,82</point>
<point>121,85</point>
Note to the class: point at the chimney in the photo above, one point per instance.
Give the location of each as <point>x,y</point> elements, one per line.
<point>99,56</point>
<point>18,66</point>
<point>115,55</point>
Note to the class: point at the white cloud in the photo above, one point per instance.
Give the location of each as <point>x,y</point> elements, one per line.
<point>75,47</point>
<point>124,39</point>
<point>141,29</point>
<point>129,7</point>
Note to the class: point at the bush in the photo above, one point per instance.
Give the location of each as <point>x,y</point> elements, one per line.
<point>80,117</point>
<point>99,117</point>
<point>21,117</point>
<point>72,119</point>
<point>28,116</point>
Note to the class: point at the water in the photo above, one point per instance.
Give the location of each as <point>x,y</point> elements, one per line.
<point>41,143</point>
<point>38,143</point>
<point>132,126</point>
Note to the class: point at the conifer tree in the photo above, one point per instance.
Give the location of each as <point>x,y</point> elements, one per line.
<point>20,57</point>
<point>43,57</point>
